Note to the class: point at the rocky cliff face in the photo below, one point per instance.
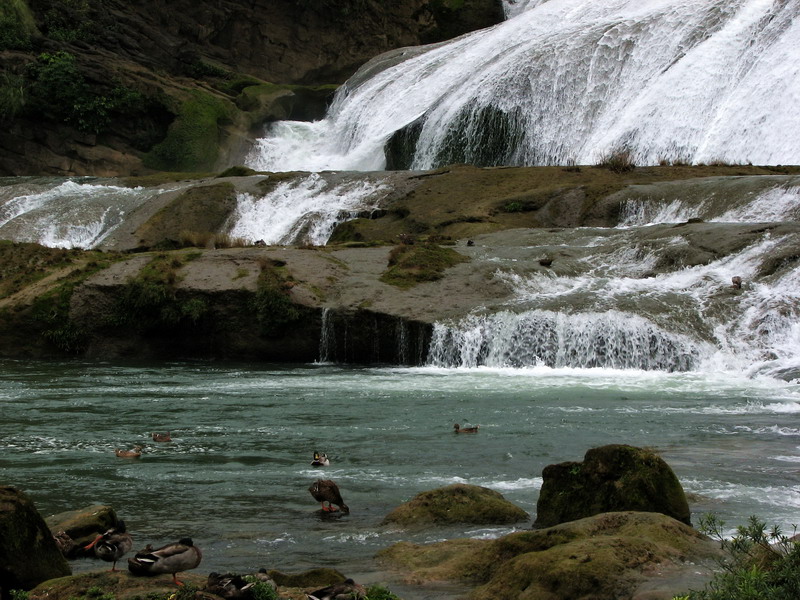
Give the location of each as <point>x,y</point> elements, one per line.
<point>117,88</point>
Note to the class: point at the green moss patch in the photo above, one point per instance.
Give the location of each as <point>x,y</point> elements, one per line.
<point>193,139</point>
<point>201,209</point>
<point>457,503</point>
<point>413,264</point>
<point>272,305</point>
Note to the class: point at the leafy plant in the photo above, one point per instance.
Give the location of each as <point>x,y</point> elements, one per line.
<point>760,564</point>
<point>379,592</point>
<point>261,590</point>
<point>272,305</point>
<point>16,25</point>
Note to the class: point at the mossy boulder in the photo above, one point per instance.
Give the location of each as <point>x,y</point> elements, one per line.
<point>611,478</point>
<point>199,210</point>
<point>28,553</point>
<point>83,524</point>
<point>319,577</point>
<point>457,503</point>
<point>609,556</point>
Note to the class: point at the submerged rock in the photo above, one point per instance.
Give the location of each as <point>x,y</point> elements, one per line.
<point>28,552</point>
<point>457,503</point>
<point>615,556</point>
<point>611,478</point>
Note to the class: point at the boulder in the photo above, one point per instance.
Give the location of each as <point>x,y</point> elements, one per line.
<point>82,525</point>
<point>612,556</point>
<point>28,552</point>
<point>457,503</point>
<point>610,478</point>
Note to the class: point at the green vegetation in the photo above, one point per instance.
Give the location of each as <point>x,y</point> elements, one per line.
<point>271,303</point>
<point>237,171</point>
<point>16,25</point>
<point>760,564</point>
<point>413,264</point>
<point>620,161</point>
<point>379,592</point>
<point>150,301</point>
<point>193,139</point>
<point>56,88</point>
<point>261,590</point>
<point>12,95</point>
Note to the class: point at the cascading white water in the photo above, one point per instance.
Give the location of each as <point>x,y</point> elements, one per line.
<point>303,211</point>
<point>65,214</point>
<point>574,80</point>
<point>623,309</point>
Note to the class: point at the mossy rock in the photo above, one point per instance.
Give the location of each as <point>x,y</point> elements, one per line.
<point>202,209</point>
<point>606,556</point>
<point>312,578</point>
<point>28,552</point>
<point>119,585</point>
<point>457,503</point>
<point>84,524</point>
<point>616,477</point>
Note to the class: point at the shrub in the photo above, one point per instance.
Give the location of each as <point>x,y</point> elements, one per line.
<point>619,161</point>
<point>759,564</point>
<point>379,592</point>
<point>16,25</point>
<point>12,95</point>
<point>272,305</point>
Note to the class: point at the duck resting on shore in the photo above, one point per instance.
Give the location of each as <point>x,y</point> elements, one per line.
<point>325,490</point>
<point>172,558</point>
<point>346,590</point>
<point>458,429</point>
<point>112,545</point>
<point>320,460</point>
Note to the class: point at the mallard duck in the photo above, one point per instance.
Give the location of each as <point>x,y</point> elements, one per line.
<point>320,460</point>
<point>229,585</point>
<point>458,429</point>
<point>162,437</point>
<point>135,453</point>
<point>172,558</point>
<point>325,490</point>
<point>346,590</point>
<point>112,545</point>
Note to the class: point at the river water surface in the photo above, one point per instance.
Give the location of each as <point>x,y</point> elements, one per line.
<point>235,476</point>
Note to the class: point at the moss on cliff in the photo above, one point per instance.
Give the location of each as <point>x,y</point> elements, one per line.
<point>193,140</point>
<point>413,264</point>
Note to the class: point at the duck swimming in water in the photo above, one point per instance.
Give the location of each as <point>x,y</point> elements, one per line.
<point>320,460</point>
<point>112,545</point>
<point>135,453</point>
<point>172,558</point>
<point>458,429</point>
<point>325,490</point>
<point>162,437</point>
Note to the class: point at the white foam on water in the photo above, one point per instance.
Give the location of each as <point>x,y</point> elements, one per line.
<point>302,211</point>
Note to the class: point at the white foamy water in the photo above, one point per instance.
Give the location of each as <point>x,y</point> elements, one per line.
<point>65,214</point>
<point>574,80</point>
<point>303,211</point>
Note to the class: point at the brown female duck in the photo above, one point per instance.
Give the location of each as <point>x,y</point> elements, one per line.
<point>172,558</point>
<point>135,453</point>
<point>458,429</point>
<point>325,490</point>
<point>112,545</point>
<point>162,437</point>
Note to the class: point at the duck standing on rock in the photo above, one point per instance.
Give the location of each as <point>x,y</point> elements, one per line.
<point>325,490</point>
<point>172,558</point>
<point>112,545</point>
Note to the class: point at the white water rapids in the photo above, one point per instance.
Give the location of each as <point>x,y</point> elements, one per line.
<point>572,81</point>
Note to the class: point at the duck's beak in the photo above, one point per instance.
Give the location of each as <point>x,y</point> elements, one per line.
<point>90,546</point>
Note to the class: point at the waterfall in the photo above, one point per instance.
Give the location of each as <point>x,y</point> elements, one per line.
<point>65,214</point>
<point>305,210</point>
<point>327,338</point>
<point>571,81</point>
<point>628,301</point>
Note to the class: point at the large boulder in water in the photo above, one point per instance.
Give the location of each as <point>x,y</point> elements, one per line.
<point>28,552</point>
<point>457,503</point>
<point>611,478</point>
